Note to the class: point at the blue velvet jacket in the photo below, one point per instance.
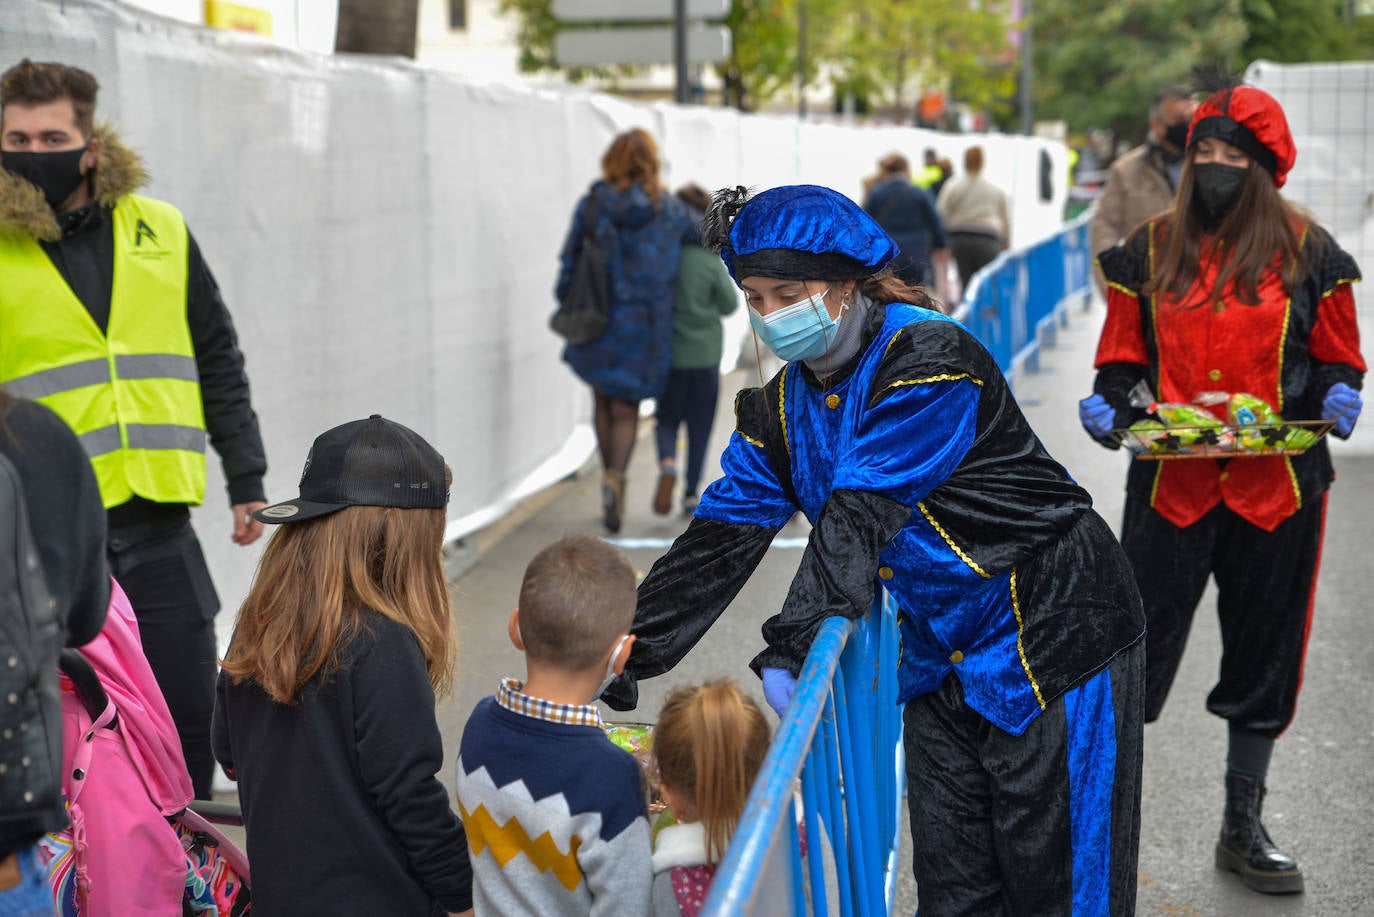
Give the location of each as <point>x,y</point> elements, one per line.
<point>913,463</point>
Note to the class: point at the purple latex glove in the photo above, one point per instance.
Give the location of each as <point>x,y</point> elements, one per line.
<point>1343,405</point>
<point>778,685</point>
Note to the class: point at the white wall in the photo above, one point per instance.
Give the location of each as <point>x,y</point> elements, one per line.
<point>386,236</point>
<point>1330,110</point>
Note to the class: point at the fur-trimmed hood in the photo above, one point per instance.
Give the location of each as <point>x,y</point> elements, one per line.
<point>118,171</point>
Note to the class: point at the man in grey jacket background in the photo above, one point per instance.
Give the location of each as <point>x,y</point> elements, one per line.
<point>1141,183</point>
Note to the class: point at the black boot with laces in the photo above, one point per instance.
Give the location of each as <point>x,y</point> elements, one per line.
<point>1245,847</point>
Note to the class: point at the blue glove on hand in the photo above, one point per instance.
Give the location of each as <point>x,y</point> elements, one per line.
<point>1343,405</point>
<point>778,685</point>
<point>1097,416</point>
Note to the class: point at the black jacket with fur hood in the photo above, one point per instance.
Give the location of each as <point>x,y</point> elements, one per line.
<point>81,245</point>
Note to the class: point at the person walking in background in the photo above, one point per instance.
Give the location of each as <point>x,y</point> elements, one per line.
<point>908,215</point>
<point>1234,290</point>
<point>703,295</point>
<point>946,173</point>
<point>110,316</point>
<point>52,510</point>
<point>642,229</point>
<point>975,212</point>
<point>325,710</point>
<point>1141,183</point>
<point>709,744</point>
<point>930,171</point>
<point>893,431</point>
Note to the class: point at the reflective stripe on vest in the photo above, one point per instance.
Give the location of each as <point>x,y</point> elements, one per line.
<point>97,372</point>
<point>132,394</point>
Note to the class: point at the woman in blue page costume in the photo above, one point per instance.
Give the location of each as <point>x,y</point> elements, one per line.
<point>893,431</point>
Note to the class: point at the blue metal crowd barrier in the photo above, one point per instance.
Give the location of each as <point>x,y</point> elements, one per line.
<point>1017,301</point>
<point>839,752</point>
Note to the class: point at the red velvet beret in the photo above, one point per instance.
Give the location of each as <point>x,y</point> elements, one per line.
<point>1251,119</point>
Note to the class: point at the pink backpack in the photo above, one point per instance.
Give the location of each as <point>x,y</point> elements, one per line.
<point>125,775</point>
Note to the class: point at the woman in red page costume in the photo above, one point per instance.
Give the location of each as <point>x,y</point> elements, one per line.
<point>1232,290</point>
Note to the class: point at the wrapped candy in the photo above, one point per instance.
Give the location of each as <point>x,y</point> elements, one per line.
<point>1153,436</point>
<point>1247,409</point>
<point>1194,425</point>
<point>638,740</point>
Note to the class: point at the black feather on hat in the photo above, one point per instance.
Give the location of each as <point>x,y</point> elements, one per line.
<point>715,225</point>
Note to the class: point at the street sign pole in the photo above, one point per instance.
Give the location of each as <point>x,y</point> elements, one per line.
<point>801,59</point>
<point>1027,70</point>
<point>680,49</point>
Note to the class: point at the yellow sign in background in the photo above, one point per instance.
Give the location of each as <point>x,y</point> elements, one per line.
<point>237,17</point>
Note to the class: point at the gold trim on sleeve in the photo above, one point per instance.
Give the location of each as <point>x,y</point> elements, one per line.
<point>1020,647</point>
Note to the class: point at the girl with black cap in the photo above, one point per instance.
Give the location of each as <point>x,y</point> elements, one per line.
<point>1233,290</point>
<point>324,710</point>
<point>893,431</point>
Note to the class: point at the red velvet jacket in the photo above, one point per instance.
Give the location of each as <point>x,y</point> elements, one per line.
<point>1288,350</point>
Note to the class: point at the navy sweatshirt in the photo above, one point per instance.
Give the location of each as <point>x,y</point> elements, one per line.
<point>342,808</point>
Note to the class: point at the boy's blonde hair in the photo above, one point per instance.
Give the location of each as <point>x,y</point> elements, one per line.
<point>577,597</point>
<point>710,743</point>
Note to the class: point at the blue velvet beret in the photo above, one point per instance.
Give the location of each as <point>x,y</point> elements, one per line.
<point>805,232</point>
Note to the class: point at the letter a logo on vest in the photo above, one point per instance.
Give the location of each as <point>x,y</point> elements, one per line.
<point>143,229</point>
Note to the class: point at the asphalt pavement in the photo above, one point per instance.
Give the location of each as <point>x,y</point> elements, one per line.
<point>1321,785</point>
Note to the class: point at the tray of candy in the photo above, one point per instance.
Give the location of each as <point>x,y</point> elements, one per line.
<point>1223,440</point>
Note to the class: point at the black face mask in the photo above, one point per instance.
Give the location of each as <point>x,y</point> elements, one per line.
<point>1217,186</point>
<point>57,175</point>
<point>1176,135</point>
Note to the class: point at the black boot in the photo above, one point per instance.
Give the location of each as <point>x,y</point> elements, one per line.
<point>1245,847</point>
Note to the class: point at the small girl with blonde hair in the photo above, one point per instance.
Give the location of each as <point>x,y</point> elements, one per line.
<point>324,711</point>
<point>710,743</point>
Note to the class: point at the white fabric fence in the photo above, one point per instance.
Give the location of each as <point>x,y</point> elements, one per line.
<point>386,236</point>
<point>1330,110</point>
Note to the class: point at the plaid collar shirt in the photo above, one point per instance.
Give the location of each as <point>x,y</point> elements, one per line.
<point>510,697</point>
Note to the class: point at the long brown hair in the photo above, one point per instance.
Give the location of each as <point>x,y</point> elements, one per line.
<point>886,287</point>
<point>710,743</point>
<point>632,159</point>
<point>316,583</point>
<point>1261,232</point>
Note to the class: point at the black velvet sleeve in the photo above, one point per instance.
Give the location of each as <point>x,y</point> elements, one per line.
<point>686,590</point>
<point>835,576</point>
<point>66,515</point>
<point>229,415</point>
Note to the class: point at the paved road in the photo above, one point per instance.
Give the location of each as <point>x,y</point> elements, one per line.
<point>1322,782</point>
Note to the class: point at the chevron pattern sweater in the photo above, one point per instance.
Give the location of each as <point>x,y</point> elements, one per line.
<point>555,816</point>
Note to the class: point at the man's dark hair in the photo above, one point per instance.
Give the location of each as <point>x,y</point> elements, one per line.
<point>32,83</point>
<point>1172,93</point>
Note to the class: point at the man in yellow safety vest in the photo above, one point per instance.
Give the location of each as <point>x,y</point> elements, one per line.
<point>110,317</point>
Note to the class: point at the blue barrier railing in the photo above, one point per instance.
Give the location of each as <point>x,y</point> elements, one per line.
<point>1018,300</point>
<point>841,743</point>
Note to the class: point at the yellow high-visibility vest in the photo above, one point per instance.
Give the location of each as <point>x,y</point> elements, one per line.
<point>132,394</point>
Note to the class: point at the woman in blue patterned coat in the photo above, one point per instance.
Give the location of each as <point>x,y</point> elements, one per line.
<point>641,228</point>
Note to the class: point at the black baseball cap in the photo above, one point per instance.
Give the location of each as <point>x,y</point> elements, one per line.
<point>373,462</point>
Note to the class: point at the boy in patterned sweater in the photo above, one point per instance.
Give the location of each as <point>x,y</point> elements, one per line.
<point>555,813</point>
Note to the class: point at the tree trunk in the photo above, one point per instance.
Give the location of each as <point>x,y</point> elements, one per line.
<point>378,27</point>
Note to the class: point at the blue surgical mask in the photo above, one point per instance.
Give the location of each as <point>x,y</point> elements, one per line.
<point>801,331</point>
